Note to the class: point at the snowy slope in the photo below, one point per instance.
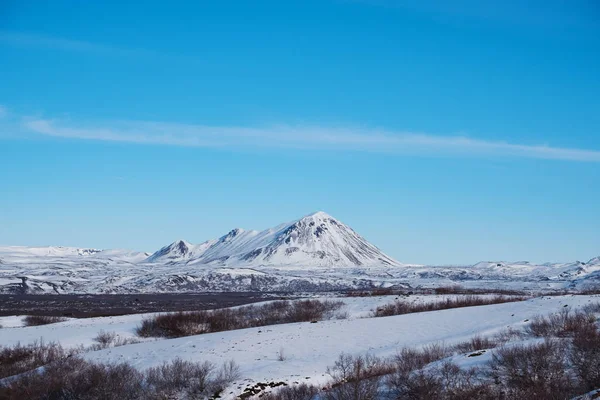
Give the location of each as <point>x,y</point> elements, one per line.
<point>316,240</point>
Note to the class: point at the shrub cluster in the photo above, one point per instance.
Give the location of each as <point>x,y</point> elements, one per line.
<point>18,359</point>
<point>400,307</point>
<point>357,377</point>
<point>562,324</point>
<point>197,322</point>
<point>75,378</point>
<point>36,320</point>
<point>564,365</point>
<point>453,289</point>
<point>299,392</point>
<point>535,371</point>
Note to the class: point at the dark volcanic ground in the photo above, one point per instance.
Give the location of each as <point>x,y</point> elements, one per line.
<point>85,306</point>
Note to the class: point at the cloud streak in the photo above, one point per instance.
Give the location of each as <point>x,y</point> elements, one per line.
<point>300,137</point>
<point>70,45</point>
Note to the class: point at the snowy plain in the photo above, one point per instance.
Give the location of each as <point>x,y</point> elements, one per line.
<point>307,348</point>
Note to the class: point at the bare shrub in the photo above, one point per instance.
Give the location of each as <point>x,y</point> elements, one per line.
<point>508,334</point>
<point>311,310</point>
<point>445,382</point>
<point>180,376</point>
<point>592,308</point>
<point>562,324</point>
<point>591,289</point>
<point>229,372</point>
<point>459,384</point>
<point>409,360</point>
<point>18,359</point>
<point>476,343</point>
<point>36,320</point>
<point>174,324</point>
<point>197,322</point>
<point>298,392</point>
<point>585,357</point>
<point>123,341</point>
<point>402,307</point>
<point>105,339</point>
<point>73,378</point>
<point>357,377</point>
<point>190,380</point>
<point>536,371</point>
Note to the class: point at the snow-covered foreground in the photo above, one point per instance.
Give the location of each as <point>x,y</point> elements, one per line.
<point>307,348</point>
<point>81,332</point>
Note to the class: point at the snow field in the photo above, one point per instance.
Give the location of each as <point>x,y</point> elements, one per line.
<point>307,348</point>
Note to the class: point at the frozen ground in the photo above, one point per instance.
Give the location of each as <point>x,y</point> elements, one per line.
<point>308,348</point>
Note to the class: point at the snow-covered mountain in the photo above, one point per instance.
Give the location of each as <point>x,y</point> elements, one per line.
<point>316,252</point>
<point>316,240</point>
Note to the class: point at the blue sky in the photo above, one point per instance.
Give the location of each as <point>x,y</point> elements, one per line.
<point>444,134</point>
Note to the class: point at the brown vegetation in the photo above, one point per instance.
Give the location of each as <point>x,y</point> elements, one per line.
<point>535,371</point>
<point>36,320</point>
<point>198,322</point>
<point>400,307</point>
<point>562,324</point>
<point>74,378</point>
<point>566,364</point>
<point>18,359</point>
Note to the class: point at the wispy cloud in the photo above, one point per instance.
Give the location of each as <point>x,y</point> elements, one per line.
<point>300,137</point>
<point>3,111</point>
<point>63,44</point>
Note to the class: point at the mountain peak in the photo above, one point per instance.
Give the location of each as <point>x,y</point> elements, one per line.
<point>318,214</point>
<point>174,251</point>
<point>315,240</point>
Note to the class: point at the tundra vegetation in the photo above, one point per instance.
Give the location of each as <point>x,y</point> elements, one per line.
<point>556,356</point>
<point>181,324</point>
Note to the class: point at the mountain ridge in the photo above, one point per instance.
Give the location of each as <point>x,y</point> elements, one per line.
<point>317,239</point>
